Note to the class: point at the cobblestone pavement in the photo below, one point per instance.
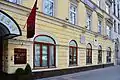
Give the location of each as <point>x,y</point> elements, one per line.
<point>109,73</point>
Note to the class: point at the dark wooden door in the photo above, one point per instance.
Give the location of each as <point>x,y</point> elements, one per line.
<point>1,53</point>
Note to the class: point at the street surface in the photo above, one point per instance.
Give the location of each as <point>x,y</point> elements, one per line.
<point>109,73</point>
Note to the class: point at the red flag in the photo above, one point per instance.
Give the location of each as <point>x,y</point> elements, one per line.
<point>31,22</point>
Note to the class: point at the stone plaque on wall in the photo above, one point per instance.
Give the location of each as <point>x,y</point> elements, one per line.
<point>20,55</point>
<point>82,39</point>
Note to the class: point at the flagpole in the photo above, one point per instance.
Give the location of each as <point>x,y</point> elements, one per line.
<point>25,25</point>
<point>31,21</point>
<point>29,14</point>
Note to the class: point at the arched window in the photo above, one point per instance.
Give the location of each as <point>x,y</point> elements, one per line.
<point>72,53</point>
<point>108,57</point>
<point>89,54</point>
<point>44,51</point>
<point>99,54</point>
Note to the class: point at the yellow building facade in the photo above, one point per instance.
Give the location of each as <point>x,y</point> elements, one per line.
<point>58,44</point>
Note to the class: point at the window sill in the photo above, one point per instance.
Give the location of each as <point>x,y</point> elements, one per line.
<point>88,63</point>
<point>44,67</point>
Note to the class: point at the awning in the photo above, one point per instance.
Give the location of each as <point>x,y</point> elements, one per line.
<point>8,26</point>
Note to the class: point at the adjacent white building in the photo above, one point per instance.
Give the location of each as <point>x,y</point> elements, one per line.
<point>116,28</point>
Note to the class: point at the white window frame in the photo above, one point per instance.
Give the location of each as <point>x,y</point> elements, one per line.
<point>89,20</point>
<point>98,2</point>
<point>53,10</point>
<point>15,1</point>
<point>108,31</point>
<point>107,8</point>
<point>73,12</point>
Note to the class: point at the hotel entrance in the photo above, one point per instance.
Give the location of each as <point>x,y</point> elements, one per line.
<point>8,29</point>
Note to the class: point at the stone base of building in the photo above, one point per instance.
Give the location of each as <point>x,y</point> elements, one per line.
<point>51,73</point>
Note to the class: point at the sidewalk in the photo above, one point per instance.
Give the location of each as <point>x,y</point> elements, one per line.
<point>108,73</point>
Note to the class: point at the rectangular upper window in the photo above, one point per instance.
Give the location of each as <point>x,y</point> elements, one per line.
<point>108,31</point>
<point>119,28</point>
<point>15,1</point>
<point>99,26</point>
<point>118,9</point>
<point>115,26</point>
<point>98,3</point>
<point>48,7</point>
<point>107,8</point>
<point>73,13</point>
<point>89,21</point>
<point>114,7</point>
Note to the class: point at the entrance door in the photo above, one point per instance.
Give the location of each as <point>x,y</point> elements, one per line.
<point>1,53</point>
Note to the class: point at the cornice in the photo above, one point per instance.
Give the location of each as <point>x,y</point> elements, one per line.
<point>15,6</point>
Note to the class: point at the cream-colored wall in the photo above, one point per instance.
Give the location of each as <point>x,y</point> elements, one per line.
<point>19,44</point>
<point>61,34</point>
<point>82,15</point>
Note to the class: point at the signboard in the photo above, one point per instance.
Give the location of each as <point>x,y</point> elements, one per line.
<point>9,23</point>
<point>20,55</point>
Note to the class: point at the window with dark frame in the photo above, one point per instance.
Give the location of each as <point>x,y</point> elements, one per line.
<point>89,54</point>
<point>118,28</point>
<point>118,9</point>
<point>72,53</point>
<point>99,54</point>
<point>115,26</point>
<point>20,56</point>
<point>108,57</point>
<point>44,52</point>
<point>114,7</point>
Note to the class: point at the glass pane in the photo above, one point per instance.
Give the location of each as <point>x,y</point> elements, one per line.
<point>51,56</point>
<point>87,59</point>
<point>73,14</point>
<point>75,56</point>
<point>72,43</point>
<point>44,39</point>
<point>48,7</point>
<point>44,55</point>
<point>70,55</point>
<point>75,52</point>
<point>87,52</point>
<point>37,55</point>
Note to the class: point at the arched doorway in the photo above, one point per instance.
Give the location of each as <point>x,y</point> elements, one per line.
<point>89,54</point>
<point>8,29</point>
<point>73,54</point>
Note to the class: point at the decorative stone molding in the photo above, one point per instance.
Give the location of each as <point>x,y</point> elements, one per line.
<point>19,42</point>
